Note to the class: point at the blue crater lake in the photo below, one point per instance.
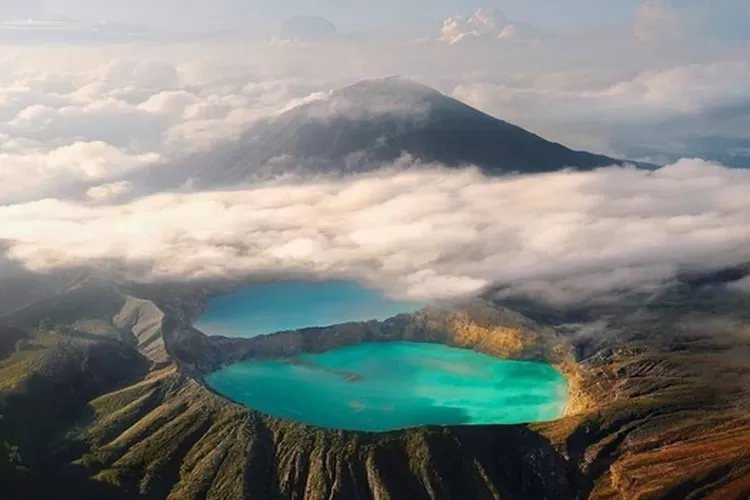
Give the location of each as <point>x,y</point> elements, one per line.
<point>292,305</point>
<point>379,387</point>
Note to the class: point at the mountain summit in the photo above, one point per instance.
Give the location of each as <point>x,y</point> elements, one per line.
<point>374,122</point>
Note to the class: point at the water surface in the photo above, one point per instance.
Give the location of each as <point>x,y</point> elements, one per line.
<point>292,305</point>
<point>388,386</point>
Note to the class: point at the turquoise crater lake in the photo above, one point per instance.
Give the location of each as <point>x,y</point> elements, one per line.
<point>379,387</point>
<point>264,308</point>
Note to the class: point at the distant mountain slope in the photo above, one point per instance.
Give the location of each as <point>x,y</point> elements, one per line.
<point>375,122</point>
<point>94,309</point>
<point>378,121</point>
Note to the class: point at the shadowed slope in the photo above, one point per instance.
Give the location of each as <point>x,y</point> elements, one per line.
<point>367,125</point>
<point>374,122</point>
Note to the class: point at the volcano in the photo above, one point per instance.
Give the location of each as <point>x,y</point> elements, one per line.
<point>370,125</point>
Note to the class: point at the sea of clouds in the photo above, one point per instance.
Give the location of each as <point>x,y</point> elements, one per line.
<point>427,233</point>
<point>91,115</point>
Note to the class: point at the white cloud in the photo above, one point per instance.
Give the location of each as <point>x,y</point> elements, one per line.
<point>679,20</point>
<point>89,117</point>
<point>30,174</point>
<point>140,73</point>
<point>591,115</point>
<point>111,192</point>
<point>361,103</point>
<point>428,234</point>
<point>95,121</point>
<point>166,101</point>
<point>487,24</point>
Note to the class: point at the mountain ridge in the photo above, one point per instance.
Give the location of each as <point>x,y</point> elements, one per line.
<point>125,427</point>
<point>376,122</point>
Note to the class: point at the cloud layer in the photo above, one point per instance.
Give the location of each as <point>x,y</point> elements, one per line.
<point>75,121</point>
<point>67,112</point>
<point>483,25</point>
<point>428,234</point>
<point>94,123</point>
<point>659,109</point>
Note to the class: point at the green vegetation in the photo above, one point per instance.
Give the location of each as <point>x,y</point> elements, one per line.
<point>666,396</point>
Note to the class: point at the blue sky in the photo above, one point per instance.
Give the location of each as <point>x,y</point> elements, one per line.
<point>386,16</point>
<point>423,16</point>
<point>727,18</point>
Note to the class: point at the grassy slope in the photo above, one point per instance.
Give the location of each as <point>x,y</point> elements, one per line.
<point>44,392</point>
<point>669,421</point>
<point>672,422</point>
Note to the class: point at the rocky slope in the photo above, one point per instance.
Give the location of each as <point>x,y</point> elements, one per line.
<point>104,398</point>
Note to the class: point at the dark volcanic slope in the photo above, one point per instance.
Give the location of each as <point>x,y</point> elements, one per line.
<point>360,127</point>
<point>100,397</point>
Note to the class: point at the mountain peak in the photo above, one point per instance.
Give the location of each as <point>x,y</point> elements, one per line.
<point>394,97</point>
<point>395,84</point>
<point>373,123</point>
